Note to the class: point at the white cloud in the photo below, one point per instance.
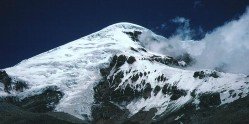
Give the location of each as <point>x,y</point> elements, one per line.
<point>226,47</point>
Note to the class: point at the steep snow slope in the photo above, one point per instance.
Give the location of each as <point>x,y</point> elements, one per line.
<point>74,69</point>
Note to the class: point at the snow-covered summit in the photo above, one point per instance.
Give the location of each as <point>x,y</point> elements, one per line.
<point>74,69</point>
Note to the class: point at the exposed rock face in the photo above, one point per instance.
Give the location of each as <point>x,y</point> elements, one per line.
<point>202,74</point>
<point>121,60</point>
<point>156,90</point>
<point>20,86</point>
<point>186,58</point>
<point>134,35</point>
<point>174,91</point>
<point>10,85</point>
<point>133,49</point>
<point>131,59</point>
<point>112,96</point>
<point>165,60</point>
<point>6,80</point>
<point>111,99</point>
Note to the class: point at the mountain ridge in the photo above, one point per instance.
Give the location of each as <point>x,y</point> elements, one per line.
<point>133,81</point>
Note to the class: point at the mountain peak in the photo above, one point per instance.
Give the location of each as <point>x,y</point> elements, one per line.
<point>111,70</point>
<point>126,25</point>
<point>116,30</point>
<point>74,67</point>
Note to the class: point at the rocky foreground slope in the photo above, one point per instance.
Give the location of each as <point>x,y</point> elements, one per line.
<point>110,77</point>
<point>10,114</point>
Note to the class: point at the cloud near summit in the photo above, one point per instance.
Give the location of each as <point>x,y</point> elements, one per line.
<point>226,47</point>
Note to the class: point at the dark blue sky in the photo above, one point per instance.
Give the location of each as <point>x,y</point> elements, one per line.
<point>29,27</point>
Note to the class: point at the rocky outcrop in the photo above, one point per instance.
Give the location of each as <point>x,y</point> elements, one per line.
<point>10,85</point>
<point>202,74</point>
<point>186,58</point>
<point>5,80</point>
<point>20,86</point>
<point>131,59</point>
<point>173,91</point>
<point>134,35</point>
<point>164,60</point>
<point>111,98</point>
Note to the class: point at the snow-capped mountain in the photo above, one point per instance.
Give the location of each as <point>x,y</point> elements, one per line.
<point>109,75</point>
